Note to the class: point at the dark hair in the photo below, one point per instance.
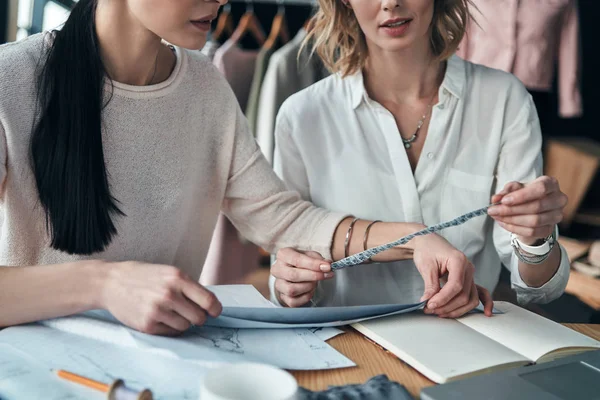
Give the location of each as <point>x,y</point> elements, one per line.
<point>66,146</point>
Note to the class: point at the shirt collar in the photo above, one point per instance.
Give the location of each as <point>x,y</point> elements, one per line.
<point>454,81</point>
<point>358,93</point>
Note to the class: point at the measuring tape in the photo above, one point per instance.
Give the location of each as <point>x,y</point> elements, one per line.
<point>363,256</point>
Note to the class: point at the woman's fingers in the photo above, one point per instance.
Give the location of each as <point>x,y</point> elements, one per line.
<point>188,309</point>
<point>291,273</point>
<point>164,330</point>
<point>537,232</point>
<point>461,299</point>
<point>534,220</point>
<point>297,301</point>
<point>458,269</point>
<point>509,187</point>
<point>431,280</point>
<point>160,321</point>
<point>304,261</point>
<point>202,297</point>
<point>486,298</point>
<point>554,201</point>
<point>539,188</point>
<point>471,303</point>
<point>297,275</point>
<point>173,320</point>
<point>293,289</point>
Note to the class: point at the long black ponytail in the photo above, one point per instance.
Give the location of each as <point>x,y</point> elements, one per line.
<point>66,147</point>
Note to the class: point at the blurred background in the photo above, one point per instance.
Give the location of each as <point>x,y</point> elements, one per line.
<point>549,44</point>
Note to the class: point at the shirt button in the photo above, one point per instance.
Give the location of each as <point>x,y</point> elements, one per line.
<point>430,155</point>
<point>441,106</point>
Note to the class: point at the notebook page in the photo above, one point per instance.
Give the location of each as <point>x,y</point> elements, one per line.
<point>526,332</point>
<point>440,349</point>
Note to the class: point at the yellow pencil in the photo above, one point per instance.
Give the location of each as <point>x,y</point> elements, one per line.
<point>82,380</point>
<point>112,389</point>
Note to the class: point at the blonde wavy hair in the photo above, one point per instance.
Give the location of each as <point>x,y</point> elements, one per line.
<point>338,39</point>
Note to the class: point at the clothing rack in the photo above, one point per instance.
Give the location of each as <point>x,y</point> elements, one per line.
<point>299,11</point>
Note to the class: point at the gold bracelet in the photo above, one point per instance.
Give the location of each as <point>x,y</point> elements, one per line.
<point>348,236</point>
<point>365,238</point>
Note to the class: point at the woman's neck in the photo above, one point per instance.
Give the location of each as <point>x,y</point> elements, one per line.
<point>131,54</point>
<point>401,77</point>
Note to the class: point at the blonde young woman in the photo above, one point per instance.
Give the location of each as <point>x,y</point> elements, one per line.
<point>117,153</point>
<point>406,131</point>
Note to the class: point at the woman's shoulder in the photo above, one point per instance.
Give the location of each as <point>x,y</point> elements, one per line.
<point>19,63</point>
<point>316,100</point>
<point>25,46</point>
<point>492,81</point>
<point>18,58</point>
<point>207,80</point>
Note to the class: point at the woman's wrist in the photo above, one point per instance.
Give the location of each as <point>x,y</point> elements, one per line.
<point>383,233</point>
<point>96,276</point>
<point>417,241</point>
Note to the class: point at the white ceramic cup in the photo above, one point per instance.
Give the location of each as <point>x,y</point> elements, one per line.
<point>248,381</point>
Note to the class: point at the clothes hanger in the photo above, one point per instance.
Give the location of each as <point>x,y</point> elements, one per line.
<point>249,23</point>
<point>224,23</point>
<point>279,29</point>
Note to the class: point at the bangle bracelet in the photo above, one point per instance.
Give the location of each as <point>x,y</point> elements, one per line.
<point>348,236</point>
<point>369,261</point>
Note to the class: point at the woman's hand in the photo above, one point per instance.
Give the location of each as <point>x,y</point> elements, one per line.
<point>156,299</point>
<point>297,275</point>
<point>531,210</point>
<point>437,259</point>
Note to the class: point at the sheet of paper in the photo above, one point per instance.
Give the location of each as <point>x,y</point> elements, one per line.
<point>240,296</point>
<point>316,315</point>
<point>168,378</point>
<point>225,321</point>
<point>326,333</point>
<point>23,377</point>
<point>295,349</point>
<point>96,324</point>
<point>248,296</point>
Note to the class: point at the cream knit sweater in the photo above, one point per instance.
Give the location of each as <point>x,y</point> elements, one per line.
<point>176,153</point>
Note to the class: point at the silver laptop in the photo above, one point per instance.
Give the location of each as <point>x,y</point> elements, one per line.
<point>570,378</point>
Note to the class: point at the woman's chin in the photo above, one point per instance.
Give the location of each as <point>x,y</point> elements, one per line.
<point>195,41</point>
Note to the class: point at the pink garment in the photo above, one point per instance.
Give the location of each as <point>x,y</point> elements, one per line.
<point>527,38</point>
<point>237,65</point>
<point>229,257</point>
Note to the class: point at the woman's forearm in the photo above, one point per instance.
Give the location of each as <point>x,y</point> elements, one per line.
<point>29,294</point>
<point>380,233</point>
<point>538,275</point>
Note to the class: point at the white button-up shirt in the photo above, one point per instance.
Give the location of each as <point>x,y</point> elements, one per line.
<point>343,151</point>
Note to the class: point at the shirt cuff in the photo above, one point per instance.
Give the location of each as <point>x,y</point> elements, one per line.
<point>272,296</point>
<point>324,233</point>
<point>551,290</point>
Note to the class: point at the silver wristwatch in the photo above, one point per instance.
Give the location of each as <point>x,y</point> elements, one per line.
<point>534,254</point>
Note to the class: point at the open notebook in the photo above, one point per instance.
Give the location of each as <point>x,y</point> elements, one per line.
<point>446,349</point>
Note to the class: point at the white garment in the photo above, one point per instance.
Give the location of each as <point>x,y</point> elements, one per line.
<point>343,151</point>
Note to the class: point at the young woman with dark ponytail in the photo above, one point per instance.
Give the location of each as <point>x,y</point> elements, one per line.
<point>117,153</point>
